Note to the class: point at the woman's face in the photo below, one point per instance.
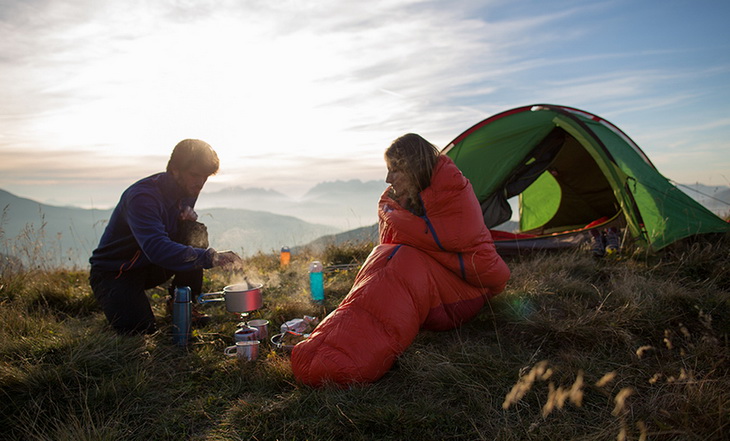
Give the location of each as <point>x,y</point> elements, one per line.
<point>398,180</point>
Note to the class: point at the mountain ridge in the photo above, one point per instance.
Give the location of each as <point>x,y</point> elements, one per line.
<point>40,234</point>
<point>342,204</point>
<point>248,220</point>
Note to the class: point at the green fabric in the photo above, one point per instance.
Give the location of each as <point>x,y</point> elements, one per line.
<point>539,202</point>
<point>599,173</point>
<point>509,140</point>
<point>668,213</point>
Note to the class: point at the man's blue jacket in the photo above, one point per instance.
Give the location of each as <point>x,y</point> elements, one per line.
<point>142,227</point>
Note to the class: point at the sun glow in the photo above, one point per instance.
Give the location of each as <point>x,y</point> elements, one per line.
<point>291,94</point>
<point>257,96</point>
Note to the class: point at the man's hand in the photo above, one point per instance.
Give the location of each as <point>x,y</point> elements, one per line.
<point>188,213</point>
<point>227,259</point>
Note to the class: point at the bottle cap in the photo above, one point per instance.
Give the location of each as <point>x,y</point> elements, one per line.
<point>182,294</point>
<point>315,267</point>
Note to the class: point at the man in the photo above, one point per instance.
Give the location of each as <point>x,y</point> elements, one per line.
<point>149,240</point>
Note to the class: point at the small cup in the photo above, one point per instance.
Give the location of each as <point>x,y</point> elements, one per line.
<point>244,350</point>
<point>262,328</point>
<point>246,333</point>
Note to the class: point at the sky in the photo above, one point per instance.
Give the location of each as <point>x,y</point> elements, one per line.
<point>94,94</point>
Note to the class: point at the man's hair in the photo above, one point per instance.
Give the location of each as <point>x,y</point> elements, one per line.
<point>193,152</point>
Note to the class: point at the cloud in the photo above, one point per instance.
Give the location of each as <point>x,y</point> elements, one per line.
<point>293,92</point>
<point>71,166</point>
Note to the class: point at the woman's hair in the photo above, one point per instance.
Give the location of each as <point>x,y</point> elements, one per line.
<point>193,152</point>
<point>415,158</point>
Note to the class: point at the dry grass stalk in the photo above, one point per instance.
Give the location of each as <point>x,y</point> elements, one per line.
<point>607,378</point>
<point>705,319</point>
<point>557,397</point>
<point>524,384</point>
<point>620,401</point>
<point>643,349</point>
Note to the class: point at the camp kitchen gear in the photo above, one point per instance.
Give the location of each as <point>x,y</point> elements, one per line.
<point>279,340</point>
<point>244,350</point>
<point>182,309</point>
<point>285,256</point>
<point>241,297</point>
<point>316,281</point>
<point>262,328</point>
<point>246,333</point>
<point>303,325</point>
<point>276,340</point>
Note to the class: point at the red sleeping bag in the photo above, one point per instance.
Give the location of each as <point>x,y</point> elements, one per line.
<point>433,272</point>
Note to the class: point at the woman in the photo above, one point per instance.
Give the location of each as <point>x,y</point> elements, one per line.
<point>434,268</point>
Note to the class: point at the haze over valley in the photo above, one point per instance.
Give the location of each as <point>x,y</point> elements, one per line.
<point>246,220</point>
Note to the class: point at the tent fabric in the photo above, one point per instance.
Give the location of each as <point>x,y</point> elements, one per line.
<point>432,272</point>
<point>569,167</point>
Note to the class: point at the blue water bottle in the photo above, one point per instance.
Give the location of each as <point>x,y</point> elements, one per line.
<point>316,281</point>
<point>182,310</point>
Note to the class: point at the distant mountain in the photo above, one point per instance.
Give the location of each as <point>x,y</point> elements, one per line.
<point>346,189</point>
<point>246,220</point>
<point>248,232</point>
<point>341,204</point>
<point>715,198</point>
<point>245,198</point>
<point>363,234</point>
<point>46,235</point>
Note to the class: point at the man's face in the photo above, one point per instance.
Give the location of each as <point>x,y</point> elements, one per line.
<point>191,180</point>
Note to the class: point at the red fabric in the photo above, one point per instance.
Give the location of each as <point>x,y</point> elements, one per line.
<point>506,235</point>
<point>407,283</point>
<point>595,223</point>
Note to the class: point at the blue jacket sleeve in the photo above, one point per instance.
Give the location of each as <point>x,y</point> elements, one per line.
<point>145,217</point>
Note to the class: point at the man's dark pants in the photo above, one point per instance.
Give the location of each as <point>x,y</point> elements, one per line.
<point>123,298</point>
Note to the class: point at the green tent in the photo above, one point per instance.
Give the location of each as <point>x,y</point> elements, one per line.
<point>572,171</point>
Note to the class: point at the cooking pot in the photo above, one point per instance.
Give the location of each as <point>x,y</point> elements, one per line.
<point>241,297</point>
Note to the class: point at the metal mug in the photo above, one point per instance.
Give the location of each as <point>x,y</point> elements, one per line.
<point>246,333</point>
<point>243,350</point>
<point>262,328</point>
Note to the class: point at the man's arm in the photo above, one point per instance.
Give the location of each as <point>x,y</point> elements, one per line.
<point>145,218</point>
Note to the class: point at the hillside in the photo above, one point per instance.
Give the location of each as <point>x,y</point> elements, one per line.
<point>344,205</point>
<point>66,236</point>
<point>246,220</point>
<point>57,235</point>
<point>250,232</point>
<point>360,235</point>
<point>714,198</point>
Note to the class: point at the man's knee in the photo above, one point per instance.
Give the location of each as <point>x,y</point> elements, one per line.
<point>124,303</point>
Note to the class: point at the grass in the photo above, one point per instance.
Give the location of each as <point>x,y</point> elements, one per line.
<point>632,347</point>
